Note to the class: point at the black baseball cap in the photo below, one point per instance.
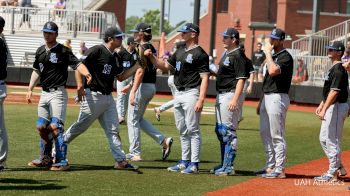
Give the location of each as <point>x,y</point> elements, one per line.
<point>142,27</point>
<point>130,40</point>
<point>278,34</point>
<point>2,22</point>
<point>113,32</point>
<point>50,27</point>
<point>189,27</point>
<point>336,45</point>
<point>231,32</point>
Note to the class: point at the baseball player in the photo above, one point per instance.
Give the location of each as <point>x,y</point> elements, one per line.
<point>96,98</point>
<point>3,75</point>
<point>141,94</point>
<point>230,80</point>
<point>171,85</point>
<point>50,66</point>
<point>333,110</point>
<point>128,57</point>
<point>258,60</point>
<point>274,104</point>
<point>191,64</point>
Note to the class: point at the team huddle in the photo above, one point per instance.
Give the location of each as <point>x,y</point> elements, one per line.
<point>135,69</point>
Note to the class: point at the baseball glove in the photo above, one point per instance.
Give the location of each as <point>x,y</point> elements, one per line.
<point>141,58</point>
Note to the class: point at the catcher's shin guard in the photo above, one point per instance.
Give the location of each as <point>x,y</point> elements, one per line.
<point>230,152</point>
<point>42,127</point>
<point>56,126</point>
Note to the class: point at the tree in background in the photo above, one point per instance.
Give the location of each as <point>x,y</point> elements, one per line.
<point>151,17</point>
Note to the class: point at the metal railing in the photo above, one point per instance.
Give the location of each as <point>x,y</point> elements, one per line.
<point>70,22</point>
<point>317,67</point>
<point>314,44</point>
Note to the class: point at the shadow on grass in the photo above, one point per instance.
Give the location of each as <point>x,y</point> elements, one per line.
<point>238,172</point>
<point>173,161</point>
<point>81,167</point>
<point>247,129</point>
<point>20,184</point>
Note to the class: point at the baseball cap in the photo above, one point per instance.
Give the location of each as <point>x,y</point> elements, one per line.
<point>141,27</point>
<point>50,27</point>
<point>278,34</point>
<point>231,32</point>
<point>336,45</point>
<point>113,32</point>
<point>189,27</point>
<point>2,22</point>
<point>130,40</point>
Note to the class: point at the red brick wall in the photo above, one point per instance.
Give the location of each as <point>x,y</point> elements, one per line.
<point>118,7</point>
<point>294,23</point>
<point>264,11</point>
<point>284,12</point>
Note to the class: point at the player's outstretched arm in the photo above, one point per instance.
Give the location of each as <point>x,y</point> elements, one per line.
<point>85,72</point>
<point>34,79</point>
<point>129,72</point>
<point>159,63</point>
<point>80,86</point>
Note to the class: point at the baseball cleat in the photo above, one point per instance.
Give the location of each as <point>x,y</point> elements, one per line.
<point>167,147</point>
<point>213,170</point>
<point>225,171</point>
<point>133,157</point>
<point>181,165</point>
<point>45,161</point>
<point>342,171</point>
<point>61,166</point>
<point>124,165</point>
<point>156,110</point>
<point>326,177</point>
<point>192,168</point>
<point>274,175</point>
<point>263,171</point>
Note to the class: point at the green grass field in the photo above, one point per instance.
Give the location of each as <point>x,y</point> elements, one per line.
<point>91,162</point>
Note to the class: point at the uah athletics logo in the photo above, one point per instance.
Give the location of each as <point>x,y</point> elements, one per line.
<point>189,58</point>
<point>53,58</point>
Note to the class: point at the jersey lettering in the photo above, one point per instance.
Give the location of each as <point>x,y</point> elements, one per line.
<point>178,65</point>
<point>189,58</point>
<point>53,58</point>
<point>227,61</point>
<point>107,69</point>
<point>41,67</point>
<point>126,64</point>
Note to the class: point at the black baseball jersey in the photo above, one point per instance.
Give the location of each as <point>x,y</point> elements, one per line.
<point>188,65</point>
<point>103,65</point>
<point>280,83</point>
<point>258,58</point>
<point>150,75</point>
<point>127,59</point>
<point>53,65</point>
<point>234,65</point>
<point>336,79</point>
<point>3,59</point>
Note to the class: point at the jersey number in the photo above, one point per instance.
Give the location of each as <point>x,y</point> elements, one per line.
<point>107,69</point>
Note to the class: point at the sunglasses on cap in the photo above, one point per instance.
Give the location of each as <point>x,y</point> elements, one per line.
<point>227,37</point>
